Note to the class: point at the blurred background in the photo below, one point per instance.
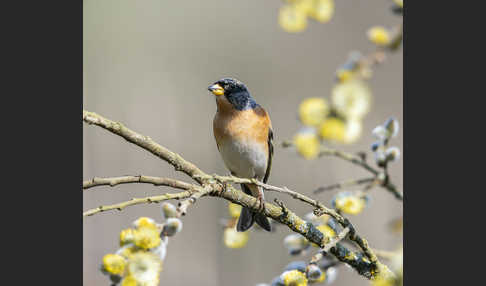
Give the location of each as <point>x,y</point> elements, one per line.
<point>148,64</point>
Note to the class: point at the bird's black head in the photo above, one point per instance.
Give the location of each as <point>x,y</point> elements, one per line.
<point>235,92</point>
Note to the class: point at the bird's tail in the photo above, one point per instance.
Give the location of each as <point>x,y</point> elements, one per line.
<point>248,217</point>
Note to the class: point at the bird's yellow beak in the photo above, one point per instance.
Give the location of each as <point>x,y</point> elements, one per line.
<point>216,89</point>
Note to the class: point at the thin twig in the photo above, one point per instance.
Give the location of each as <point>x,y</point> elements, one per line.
<point>386,254</point>
<point>182,208</point>
<point>318,256</point>
<point>137,201</point>
<point>357,160</point>
<point>342,185</point>
<point>156,181</point>
<point>337,239</point>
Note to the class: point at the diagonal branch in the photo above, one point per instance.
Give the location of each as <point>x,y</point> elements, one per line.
<point>145,142</point>
<point>213,186</point>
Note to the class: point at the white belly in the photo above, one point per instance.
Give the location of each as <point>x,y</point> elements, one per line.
<point>245,159</point>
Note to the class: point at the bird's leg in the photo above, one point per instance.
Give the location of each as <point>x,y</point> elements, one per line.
<point>257,192</point>
<point>261,201</point>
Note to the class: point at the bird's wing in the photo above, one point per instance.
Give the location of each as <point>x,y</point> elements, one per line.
<point>270,154</point>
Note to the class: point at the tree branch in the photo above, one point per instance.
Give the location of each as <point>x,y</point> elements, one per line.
<point>283,190</point>
<point>318,256</point>
<point>137,201</point>
<point>156,181</point>
<point>357,160</point>
<point>182,208</point>
<point>386,254</point>
<point>145,142</point>
<point>344,185</point>
<point>215,186</point>
<point>337,239</point>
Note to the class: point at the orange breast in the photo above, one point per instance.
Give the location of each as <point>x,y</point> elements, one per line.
<point>246,125</point>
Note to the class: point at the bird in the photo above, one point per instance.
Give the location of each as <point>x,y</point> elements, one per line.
<point>244,137</point>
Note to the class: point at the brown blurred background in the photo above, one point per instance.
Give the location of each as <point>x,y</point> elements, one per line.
<point>148,63</point>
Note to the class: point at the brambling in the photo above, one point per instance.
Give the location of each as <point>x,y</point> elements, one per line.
<point>243,133</point>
